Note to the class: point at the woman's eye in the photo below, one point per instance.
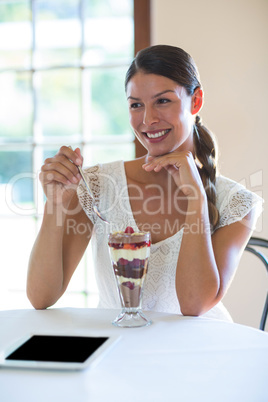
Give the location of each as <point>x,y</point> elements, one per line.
<point>135,105</point>
<point>163,100</point>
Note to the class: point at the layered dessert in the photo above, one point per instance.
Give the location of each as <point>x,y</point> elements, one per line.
<point>130,252</point>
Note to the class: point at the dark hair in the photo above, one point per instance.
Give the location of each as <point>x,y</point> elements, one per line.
<point>176,64</point>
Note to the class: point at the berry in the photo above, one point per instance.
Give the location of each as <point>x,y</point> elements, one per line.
<point>129,285</point>
<point>129,229</point>
<point>136,263</point>
<point>122,261</point>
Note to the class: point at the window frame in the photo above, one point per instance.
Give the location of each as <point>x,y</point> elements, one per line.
<point>142,38</point>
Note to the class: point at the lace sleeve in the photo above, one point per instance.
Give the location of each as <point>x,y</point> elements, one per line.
<point>234,202</point>
<point>92,175</point>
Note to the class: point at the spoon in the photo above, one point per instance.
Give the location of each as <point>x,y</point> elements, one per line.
<point>95,208</point>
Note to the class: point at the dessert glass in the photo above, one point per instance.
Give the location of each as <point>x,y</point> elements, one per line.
<point>129,254</point>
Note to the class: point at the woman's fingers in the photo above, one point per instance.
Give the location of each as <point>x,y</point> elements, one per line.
<point>80,158</point>
<point>59,175</point>
<point>53,177</point>
<point>175,159</point>
<point>59,168</point>
<point>160,162</point>
<point>62,167</point>
<point>73,156</point>
<point>181,166</point>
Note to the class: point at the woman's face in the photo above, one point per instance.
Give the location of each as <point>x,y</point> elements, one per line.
<point>161,113</point>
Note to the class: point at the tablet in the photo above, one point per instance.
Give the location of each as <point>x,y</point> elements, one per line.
<point>59,352</point>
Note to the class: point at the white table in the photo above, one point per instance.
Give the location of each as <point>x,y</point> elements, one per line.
<point>175,359</point>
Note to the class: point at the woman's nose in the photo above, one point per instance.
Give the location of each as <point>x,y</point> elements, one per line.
<point>150,116</point>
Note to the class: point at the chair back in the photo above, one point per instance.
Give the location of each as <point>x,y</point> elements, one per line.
<point>253,247</point>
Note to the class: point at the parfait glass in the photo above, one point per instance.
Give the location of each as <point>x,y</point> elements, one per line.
<point>129,254</point>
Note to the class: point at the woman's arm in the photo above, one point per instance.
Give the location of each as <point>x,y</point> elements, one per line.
<point>206,263</point>
<point>59,245</point>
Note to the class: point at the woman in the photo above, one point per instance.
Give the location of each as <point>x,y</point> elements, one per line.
<point>199,222</point>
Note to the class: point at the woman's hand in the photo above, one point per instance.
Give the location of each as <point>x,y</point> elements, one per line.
<point>181,165</point>
<point>59,175</point>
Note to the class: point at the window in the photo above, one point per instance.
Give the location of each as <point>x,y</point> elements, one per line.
<point>62,70</point>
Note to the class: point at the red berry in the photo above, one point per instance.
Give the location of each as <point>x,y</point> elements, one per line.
<point>129,285</point>
<point>122,261</point>
<point>129,229</point>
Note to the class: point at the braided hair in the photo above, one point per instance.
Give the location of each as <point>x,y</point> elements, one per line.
<point>176,64</point>
<point>205,153</point>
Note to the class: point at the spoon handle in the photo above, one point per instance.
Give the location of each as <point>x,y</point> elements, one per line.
<point>84,179</point>
<point>95,208</point>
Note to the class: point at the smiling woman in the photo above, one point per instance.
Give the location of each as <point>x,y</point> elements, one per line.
<point>199,221</point>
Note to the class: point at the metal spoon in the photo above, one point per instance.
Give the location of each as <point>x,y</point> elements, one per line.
<point>95,208</point>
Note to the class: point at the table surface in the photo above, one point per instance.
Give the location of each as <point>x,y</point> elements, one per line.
<point>175,359</point>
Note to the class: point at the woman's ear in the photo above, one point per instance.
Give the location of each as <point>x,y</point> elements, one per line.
<point>197,100</point>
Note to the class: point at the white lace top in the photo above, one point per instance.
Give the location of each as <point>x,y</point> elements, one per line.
<point>109,185</point>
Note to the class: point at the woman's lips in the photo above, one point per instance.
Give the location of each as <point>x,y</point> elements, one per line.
<point>156,136</point>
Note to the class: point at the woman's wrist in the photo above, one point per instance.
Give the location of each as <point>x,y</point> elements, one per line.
<point>197,204</point>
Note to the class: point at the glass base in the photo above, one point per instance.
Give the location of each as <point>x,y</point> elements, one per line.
<point>131,318</point>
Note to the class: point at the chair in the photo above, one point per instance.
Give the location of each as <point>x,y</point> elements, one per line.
<point>258,242</point>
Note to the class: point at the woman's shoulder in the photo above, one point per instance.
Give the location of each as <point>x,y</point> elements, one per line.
<point>100,175</point>
<point>223,182</point>
<point>234,201</point>
<point>227,188</point>
<point>105,172</point>
<point>112,167</point>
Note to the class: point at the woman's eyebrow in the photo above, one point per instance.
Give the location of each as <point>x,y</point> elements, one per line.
<point>153,97</point>
<point>162,93</point>
<point>132,97</point>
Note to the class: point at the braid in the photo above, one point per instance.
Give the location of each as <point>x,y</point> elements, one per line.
<point>205,152</point>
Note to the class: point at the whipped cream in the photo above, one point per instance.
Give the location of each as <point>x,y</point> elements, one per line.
<point>122,279</point>
<point>130,255</point>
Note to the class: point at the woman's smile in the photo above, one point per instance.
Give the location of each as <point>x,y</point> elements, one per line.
<point>157,135</point>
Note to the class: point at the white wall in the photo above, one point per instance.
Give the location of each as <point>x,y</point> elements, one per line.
<point>228,40</point>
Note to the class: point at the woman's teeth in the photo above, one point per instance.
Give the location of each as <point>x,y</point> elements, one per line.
<point>156,135</point>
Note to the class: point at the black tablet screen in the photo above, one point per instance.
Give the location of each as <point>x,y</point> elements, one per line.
<point>75,349</point>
